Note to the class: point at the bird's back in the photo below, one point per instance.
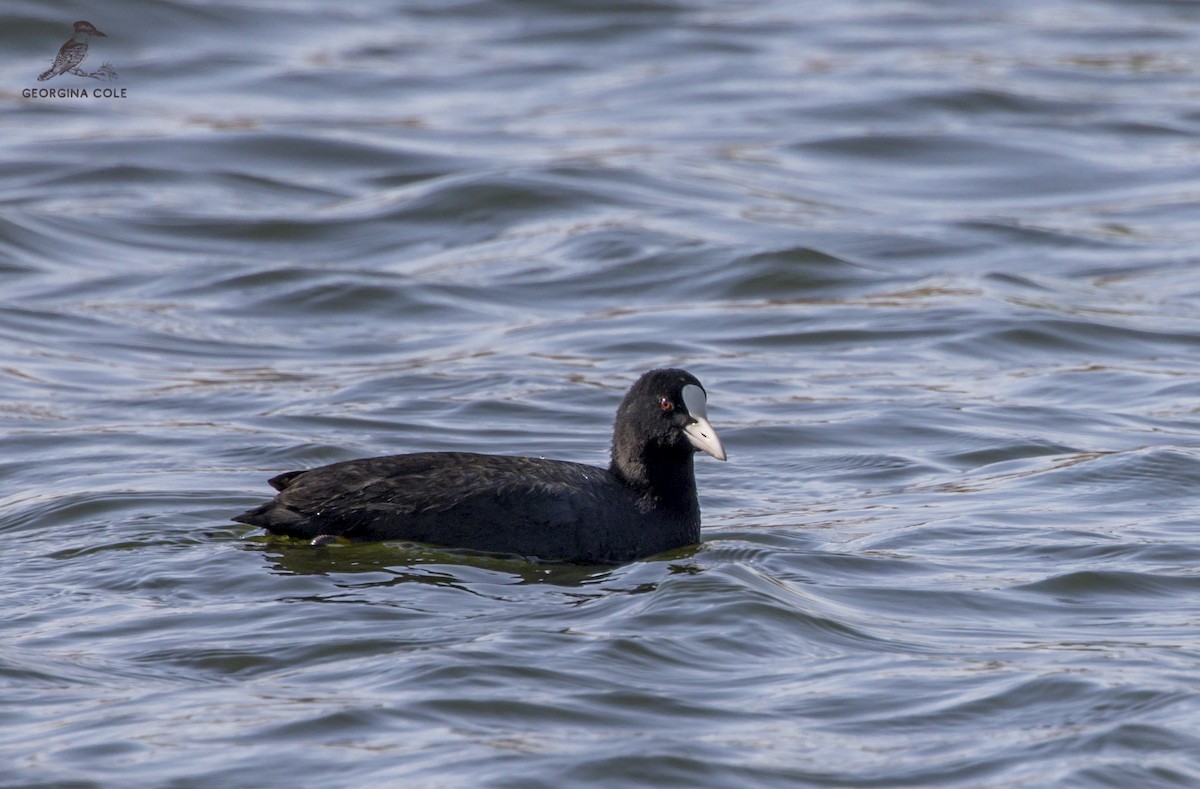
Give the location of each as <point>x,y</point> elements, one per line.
<point>519,505</point>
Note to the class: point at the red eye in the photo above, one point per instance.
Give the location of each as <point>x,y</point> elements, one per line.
<point>665,403</point>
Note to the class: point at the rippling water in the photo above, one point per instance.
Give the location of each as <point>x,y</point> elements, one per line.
<point>935,263</point>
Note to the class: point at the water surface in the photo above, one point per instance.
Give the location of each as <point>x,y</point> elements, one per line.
<point>935,263</point>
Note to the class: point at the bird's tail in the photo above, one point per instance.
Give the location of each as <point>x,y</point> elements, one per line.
<point>46,74</point>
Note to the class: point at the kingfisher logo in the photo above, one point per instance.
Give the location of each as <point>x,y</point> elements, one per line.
<point>72,54</point>
<point>70,61</point>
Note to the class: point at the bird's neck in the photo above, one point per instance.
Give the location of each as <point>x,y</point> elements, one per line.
<point>664,475</point>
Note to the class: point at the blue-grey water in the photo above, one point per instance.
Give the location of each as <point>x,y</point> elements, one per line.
<point>936,263</point>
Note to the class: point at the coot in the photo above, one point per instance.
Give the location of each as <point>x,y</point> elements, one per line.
<point>642,504</point>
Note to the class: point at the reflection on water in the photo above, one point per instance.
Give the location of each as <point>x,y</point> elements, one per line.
<point>399,559</point>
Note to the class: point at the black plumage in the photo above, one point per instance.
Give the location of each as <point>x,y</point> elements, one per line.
<point>643,503</point>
